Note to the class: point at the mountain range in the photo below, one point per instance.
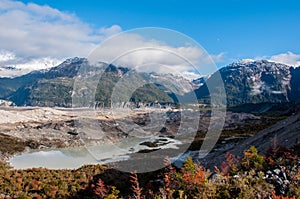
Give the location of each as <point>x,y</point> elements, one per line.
<point>255,82</point>
<point>244,82</point>
<point>54,87</point>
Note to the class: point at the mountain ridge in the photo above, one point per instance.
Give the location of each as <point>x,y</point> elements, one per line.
<point>54,87</point>
<point>254,82</point>
<point>245,82</point>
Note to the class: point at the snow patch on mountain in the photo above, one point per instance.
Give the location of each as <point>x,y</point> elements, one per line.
<point>6,103</point>
<point>174,83</point>
<point>245,61</point>
<point>257,87</point>
<point>15,68</point>
<point>191,75</point>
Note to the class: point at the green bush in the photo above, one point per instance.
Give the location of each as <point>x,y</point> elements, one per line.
<point>252,160</point>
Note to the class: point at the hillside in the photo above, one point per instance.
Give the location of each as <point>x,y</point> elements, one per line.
<point>284,133</point>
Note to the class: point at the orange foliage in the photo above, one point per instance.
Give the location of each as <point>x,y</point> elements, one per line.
<point>281,197</point>
<point>135,185</point>
<point>100,189</point>
<point>195,178</point>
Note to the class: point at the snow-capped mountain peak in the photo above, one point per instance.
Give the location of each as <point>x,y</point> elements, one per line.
<point>15,68</point>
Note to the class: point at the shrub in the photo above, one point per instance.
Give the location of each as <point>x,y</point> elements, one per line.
<point>252,160</point>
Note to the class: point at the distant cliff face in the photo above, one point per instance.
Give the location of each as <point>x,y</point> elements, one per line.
<point>256,82</point>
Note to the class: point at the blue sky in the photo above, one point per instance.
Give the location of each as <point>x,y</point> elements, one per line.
<point>232,29</point>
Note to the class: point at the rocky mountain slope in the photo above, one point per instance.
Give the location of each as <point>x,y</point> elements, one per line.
<point>245,82</point>
<point>284,133</point>
<point>255,82</point>
<point>54,87</point>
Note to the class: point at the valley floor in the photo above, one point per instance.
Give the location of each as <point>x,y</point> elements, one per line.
<point>274,135</point>
<point>27,128</point>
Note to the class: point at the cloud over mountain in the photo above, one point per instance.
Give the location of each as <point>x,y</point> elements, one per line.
<point>288,58</point>
<point>31,33</point>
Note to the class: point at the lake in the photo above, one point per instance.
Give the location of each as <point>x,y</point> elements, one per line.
<point>71,158</point>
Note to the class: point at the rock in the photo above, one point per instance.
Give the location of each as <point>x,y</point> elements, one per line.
<point>214,177</point>
<point>6,103</point>
<point>147,150</point>
<point>163,140</point>
<point>278,178</point>
<point>72,132</point>
<point>163,130</point>
<point>32,144</point>
<point>149,144</point>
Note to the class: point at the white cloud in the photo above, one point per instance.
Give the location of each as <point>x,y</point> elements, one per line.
<point>12,66</point>
<point>6,56</point>
<point>31,30</point>
<point>288,58</point>
<point>34,37</point>
<point>38,63</point>
<point>219,57</point>
<point>109,31</point>
<point>135,51</point>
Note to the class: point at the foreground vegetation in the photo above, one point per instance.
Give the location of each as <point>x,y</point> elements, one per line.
<point>276,174</point>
